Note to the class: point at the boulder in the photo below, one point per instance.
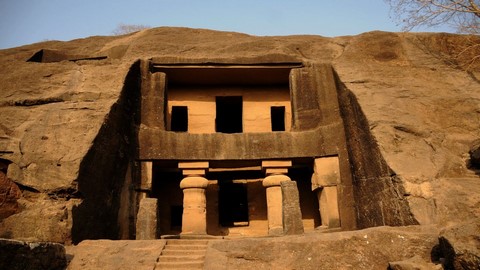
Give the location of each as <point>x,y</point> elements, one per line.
<point>460,246</point>
<point>19,255</point>
<point>9,194</point>
<point>371,248</point>
<point>115,255</point>
<point>414,263</point>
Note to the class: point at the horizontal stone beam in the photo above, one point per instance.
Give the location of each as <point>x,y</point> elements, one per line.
<point>167,145</point>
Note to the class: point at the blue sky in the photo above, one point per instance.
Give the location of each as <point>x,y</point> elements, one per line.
<point>29,21</point>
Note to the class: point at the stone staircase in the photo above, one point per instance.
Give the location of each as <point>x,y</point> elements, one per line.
<point>182,254</point>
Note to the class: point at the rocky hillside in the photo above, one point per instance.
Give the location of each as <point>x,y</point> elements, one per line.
<point>418,91</point>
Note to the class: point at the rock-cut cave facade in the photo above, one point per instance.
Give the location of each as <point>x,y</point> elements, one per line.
<point>222,146</point>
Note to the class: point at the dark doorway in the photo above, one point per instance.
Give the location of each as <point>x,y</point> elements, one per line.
<point>229,115</point>
<point>278,118</point>
<point>165,187</point>
<point>179,120</point>
<point>176,212</point>
<point>233,204</point>
<point>308,198</point>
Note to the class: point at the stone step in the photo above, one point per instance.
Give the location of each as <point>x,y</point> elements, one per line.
<point>186,242</point>
<point>179,265</point>
<point>183,252</point>
<point>177,258</point>
<point>185,247</point>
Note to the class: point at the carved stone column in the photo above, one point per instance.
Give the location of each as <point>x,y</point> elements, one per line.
<point>146,226</point>
<point>194,219</point>
<point>276,174</point>
<point>146,171</point>
<point>147,216</point>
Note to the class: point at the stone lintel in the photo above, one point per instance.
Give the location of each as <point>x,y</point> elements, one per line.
<point>269,171</point>
<point>199,172</point>
<point>193,165</point>
<point>276,163</point>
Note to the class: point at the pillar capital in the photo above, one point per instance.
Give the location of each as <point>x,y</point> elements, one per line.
<point>193,164</point>
<point>274,180</point>
<point>193,168</point>
<point>276,163</point>
<point>276,167</point>
<point>193,182</point>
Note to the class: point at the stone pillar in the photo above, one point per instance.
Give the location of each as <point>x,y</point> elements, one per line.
<point>276,173</point>
<point>291,212</point>
<point>328,204</point>
<point>146,171</point>
<point>325,179</point>
<point>146,227</point>
<point>194,218</point>
<point>147,215</point>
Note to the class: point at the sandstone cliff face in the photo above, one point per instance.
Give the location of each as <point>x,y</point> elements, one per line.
<point>422,111</point>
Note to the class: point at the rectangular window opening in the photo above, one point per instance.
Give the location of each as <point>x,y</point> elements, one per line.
<point>229,114</point>
<point>277,114</point>
<point>179,119</point>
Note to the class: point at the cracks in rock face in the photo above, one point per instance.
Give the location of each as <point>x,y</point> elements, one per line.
<point>298,49</point>
<point>34,102</point>
<point>27,188</point>
<point>64,194</point>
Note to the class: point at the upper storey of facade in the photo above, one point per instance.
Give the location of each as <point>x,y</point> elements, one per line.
<point>250,109</point>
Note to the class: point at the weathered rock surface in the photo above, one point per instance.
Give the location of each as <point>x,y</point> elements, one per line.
<point>460,246</point>
<point>395,248</point>
<point>64,124</point>
<point>19,255</point>
<point>475,155</point>
<point>115,255</point>
<point>370,248</point>
<point>414,263</point>
<point>46,220</point>
<point>9,194</point>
